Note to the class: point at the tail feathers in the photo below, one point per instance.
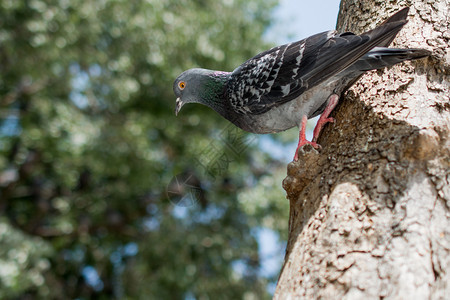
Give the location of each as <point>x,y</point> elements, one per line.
<point>398,18</point>
<point>379,57</point>
<point>386,33</point>
<point>349,49</point>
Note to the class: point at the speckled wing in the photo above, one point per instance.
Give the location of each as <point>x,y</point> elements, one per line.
<point>283,73</point>
<point>274,76</point>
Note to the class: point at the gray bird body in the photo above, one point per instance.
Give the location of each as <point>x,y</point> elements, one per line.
<point>274,90</point>
<point>288,115</point>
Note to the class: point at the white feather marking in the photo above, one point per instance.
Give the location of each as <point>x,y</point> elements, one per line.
<point>270,82</point>
<point>285,89</point>
<point>300,54</point>
<point>331,34</point>
<point>276,70</point>
<point>298,60</point>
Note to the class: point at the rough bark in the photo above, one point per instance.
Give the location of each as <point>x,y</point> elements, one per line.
<point>370,212</point>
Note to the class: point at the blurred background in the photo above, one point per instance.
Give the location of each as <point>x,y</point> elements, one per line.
<point>104,193</point>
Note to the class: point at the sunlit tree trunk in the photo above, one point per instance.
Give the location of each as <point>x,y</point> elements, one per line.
<point>369,213</point>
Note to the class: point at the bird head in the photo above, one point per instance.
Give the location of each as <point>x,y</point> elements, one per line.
<point>197,86</point>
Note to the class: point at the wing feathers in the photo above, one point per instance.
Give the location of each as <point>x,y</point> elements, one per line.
<point>283,73</point>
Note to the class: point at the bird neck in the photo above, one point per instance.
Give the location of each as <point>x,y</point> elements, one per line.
<point>214,90</point>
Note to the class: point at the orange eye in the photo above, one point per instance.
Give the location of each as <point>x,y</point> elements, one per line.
<point>182,85</point>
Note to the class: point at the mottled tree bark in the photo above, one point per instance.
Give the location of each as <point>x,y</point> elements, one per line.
<point>370,212</point>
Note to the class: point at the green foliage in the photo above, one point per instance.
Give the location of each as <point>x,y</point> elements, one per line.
<point>22,261</point>
<point>89,145</point>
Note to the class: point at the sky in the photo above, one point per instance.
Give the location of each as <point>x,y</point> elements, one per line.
<point>298,19</point>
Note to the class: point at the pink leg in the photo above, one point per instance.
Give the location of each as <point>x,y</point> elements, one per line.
<point>302,138</point>
<point>332,102</point>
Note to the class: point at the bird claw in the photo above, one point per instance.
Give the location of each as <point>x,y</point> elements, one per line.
<point>303,143</point>
<point>329,120</point>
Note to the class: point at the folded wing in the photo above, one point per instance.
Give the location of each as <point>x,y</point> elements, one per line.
<point>283,73</point>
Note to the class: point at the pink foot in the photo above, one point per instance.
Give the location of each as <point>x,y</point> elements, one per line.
<point>324,119</point>
<point>302,138</point>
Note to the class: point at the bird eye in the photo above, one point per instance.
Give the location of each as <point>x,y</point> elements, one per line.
<point>182,85</point>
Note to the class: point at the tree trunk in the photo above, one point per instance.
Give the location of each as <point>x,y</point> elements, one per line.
<point>370,212</point>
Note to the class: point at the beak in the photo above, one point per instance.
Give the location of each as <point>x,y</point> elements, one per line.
<point>178,106</point>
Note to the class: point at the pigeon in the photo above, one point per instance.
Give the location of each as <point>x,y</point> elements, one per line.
<point>285,86</point>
